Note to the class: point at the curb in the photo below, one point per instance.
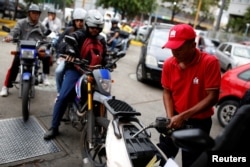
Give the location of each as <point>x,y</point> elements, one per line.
<point>136,43</point>
<point>3,34</point>
<point>9,23</point>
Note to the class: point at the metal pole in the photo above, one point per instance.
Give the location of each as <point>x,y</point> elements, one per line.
<point>197,14</point>
<point>173,11</point>
<point>217,26</point>
<point>246,31</point>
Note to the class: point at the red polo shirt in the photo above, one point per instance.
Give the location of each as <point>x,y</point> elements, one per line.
<point>188,86</point>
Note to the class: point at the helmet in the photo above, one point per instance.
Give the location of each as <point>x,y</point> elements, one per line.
<point>114,21</point>
<point>79,13</point>
<point>34,7</point>
<point>52,10</point>
<point>94,19</point>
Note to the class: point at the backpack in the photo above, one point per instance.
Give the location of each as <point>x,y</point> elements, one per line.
<point>92,50</point>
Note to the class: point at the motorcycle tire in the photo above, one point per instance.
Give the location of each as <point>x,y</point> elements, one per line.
<point>226,111</point>
<point>26,88</point>
<point>95,155</point>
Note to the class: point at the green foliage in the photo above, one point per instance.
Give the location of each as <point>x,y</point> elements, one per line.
<point>237,24</point>
<point>62,4</point>
<point>129,8</point>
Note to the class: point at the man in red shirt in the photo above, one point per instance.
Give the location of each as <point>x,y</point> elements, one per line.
<point>191,82</point>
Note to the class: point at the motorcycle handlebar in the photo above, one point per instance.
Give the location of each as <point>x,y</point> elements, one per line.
<point>85,62</point>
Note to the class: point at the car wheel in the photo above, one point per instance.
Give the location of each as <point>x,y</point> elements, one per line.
<point>226,111</point>
<point>140,73</point>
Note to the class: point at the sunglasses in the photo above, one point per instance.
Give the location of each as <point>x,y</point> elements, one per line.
<point>78,20</point>
<point>97,28</point>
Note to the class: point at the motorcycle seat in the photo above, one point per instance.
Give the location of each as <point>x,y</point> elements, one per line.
<point>120,108</point>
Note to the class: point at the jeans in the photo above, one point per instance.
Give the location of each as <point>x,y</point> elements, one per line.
<point>113,44</point>
<point>59,74</point>
<point>66,95</point>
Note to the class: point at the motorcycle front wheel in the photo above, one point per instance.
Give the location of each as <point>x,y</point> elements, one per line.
<point>94,154</point>
<point>26,88</point>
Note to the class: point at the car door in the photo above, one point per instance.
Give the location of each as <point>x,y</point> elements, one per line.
<point>226,57</point>
<point>220,54</point>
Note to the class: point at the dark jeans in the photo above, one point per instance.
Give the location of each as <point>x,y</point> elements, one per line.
<point>66,94</point>
<point>14,69</point>
<point>167,145</point>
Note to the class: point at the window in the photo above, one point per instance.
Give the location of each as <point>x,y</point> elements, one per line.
<point>245,75</point>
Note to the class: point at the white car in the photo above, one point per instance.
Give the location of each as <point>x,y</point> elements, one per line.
<point>143,31</point>
<point>232,55</point>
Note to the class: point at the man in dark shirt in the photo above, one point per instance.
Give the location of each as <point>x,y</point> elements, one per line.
<point>114,34</point>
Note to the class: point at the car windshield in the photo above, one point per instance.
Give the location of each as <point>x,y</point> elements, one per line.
<point>242,51</point>
<point>158,38</point>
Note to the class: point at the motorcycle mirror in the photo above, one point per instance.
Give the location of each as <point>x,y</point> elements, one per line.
<point>5,28</point>
<point>192,139</point>
<point>47,32</point>
<point>70,40</point>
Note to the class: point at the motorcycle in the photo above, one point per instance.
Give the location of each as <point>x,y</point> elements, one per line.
<point>232,142</point>
<point>123,41</point>
<point>52,38</point>
<point>101,137</point>
<point>27,50</point>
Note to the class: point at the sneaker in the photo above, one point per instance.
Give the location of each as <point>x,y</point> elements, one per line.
<point>4,92</point>
<point>51,134</point>
<point>46,81</point>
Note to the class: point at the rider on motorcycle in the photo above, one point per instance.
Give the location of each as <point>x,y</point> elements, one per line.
<point>52,22</point>
<point>114,34</point>
<point>94,25</point>
<point>26,29</point>
<point>79,15</point>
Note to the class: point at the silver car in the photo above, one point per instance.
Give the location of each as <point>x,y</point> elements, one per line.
<point>232,54</point>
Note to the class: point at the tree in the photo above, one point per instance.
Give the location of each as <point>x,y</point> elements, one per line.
<point>129,8</point>
<point>238,24</point>
<point>62,4</point>
<point>204,13</point>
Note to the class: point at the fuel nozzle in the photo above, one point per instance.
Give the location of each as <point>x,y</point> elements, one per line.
<point>161,125</point>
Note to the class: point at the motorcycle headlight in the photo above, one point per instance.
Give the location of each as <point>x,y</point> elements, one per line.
<point>103,81</point>
<point>151,61</point>
<point>27,53</point>
<point>106,85</point>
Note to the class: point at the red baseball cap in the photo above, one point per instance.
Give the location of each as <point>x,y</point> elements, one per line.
<point>178,34</point>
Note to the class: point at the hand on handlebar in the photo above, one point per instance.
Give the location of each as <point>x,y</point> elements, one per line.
<point>8,38</point>
<point>70,58</point>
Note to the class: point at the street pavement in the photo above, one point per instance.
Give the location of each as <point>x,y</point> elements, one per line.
<point>145,98</point>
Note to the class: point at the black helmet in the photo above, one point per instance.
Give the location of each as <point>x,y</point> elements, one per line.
<point>114,21</point>
<point>94,19</point>
<point>34,7</point>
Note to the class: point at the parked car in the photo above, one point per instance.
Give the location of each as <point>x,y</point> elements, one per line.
<point>245,43</point>
<point>234,84</point>
<point>205,44</point>
<point>143,32</point>
<point>232,54</point>
<point>152,56</point>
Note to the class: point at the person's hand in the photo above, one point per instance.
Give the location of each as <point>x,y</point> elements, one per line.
<point>176,122</point>
<point>50,18</point>
<point>8,38</point>
<point>70,58</point>
<point>42,51</point>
